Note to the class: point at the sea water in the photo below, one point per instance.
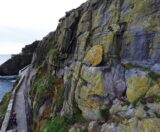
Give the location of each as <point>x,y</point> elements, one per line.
<point>6,83</point>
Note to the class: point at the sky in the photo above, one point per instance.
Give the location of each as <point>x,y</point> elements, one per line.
<point>24,21</point>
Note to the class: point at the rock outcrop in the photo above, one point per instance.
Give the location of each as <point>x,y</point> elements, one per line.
<point>18,61</point>
<point>102,63</point>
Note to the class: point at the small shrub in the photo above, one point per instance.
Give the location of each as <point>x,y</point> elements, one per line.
<point>157,114</point>
<point>52,55</point>
<point>43,87</point>
<point>4,103</point>
<point>62,124</point>
<point>104,112</point>
<point>58,124</point>
<point>146,108</point>
<point>59,99</point>
<point>153,75</point>
<point>157,98</point>
<point>77,115</point>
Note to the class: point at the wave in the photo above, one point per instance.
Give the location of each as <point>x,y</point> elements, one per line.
<point>13,77</point>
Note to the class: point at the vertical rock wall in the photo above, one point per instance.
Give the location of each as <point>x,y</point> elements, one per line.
<point>107,50</point>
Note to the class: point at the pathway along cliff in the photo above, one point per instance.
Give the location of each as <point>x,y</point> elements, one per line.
<point>21,100</point>
<point>100,70</point>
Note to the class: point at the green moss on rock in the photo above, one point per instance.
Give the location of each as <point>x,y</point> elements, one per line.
<point>52,55</point>
<point>4,103</point>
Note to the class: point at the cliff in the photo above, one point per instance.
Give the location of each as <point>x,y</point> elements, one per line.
<point>100,70</point>
<point>18,61</point>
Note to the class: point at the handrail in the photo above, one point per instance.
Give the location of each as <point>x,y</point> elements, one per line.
<point>10,106</point>
<point>20,71</point>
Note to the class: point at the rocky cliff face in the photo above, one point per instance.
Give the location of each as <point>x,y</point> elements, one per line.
<point>102,62</point>
<point>18,61</point>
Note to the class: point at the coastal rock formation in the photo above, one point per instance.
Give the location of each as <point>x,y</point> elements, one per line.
<point>104,51</point>
<point>102,64</point>
<point>18,61</point>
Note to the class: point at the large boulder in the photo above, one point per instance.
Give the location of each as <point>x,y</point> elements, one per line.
<point>91,92</point>
<point>94,55</point>
<point>138,84</point>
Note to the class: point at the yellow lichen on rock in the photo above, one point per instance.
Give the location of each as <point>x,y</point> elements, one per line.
<point>150,125</point>
<point>107,42</point>
<point>154,90</point>
<point>94,55</point>
<point>89,92</point>
<point>137,87</point>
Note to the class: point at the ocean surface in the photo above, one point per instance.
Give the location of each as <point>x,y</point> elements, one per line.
<point>6,83</point>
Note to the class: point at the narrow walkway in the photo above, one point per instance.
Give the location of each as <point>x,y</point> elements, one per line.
<point>19,106</point>
<point>22,100</point>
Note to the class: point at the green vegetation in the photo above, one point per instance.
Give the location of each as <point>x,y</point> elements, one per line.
<point>130,66</point>
<point>58,124</point>
<point>42,87</point>
<point>4,103</point>
<point>77,115</point>
<point>146,108</point>
<point>105,113</point>
<point>52,55</point>
<point>126,103</point>
<point>59,99</point>
<point>153,75</point>
<point>156,98</point>
<point>157,114</point>
<point>62,124</point>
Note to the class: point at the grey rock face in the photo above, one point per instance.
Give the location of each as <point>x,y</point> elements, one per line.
<point>19,61</point>
<point>115,81</point>
<point>125,68</point>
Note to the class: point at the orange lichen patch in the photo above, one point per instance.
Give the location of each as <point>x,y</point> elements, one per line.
<point>59,86</point>
<point>94,55</point>
<point>47,112</point>
<point>92,103</point>
<point>41,125</point>
<point>44,118</point>
<point>90,92</point>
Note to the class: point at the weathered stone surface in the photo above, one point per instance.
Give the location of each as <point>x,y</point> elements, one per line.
<point>94,55</point>
<point>156,68</point>
<point>116,107</point>
<point>92,126</point>
<point>70,85</point>
<point>19,61</point>
<point>108,128</point>
<point>154,89</point>
<point>133,125</point>
<point>153,109</point>
<point>144,31</point>
<point>74,129</point>
<point>109,50</point>
<point>115,81</point>
<point>81,48</point>
<point>138,84</point>
<point>140,112</point>
<point>91,92</point>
